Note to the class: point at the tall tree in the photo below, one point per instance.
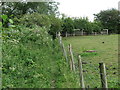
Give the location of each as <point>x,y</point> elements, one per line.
<point>68,25</point>
<point>55,26</point>
<point>81,23</point>
<point>110,19</point>
<point>21,8</point>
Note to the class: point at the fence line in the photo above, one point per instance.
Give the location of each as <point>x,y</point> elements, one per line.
<point>81,33</point>
<point>103,75</point>
<point>81,71</point>
<point>71,58</point>
<point>63,47</point>
<point>72,66</point>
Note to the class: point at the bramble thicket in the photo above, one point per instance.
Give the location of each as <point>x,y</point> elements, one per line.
<point>31,54</point>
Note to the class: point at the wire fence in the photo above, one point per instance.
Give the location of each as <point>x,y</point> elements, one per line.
<point>1,59</point>
<point>78,32</point>
<point>89,76</point>
<point>91,73</point>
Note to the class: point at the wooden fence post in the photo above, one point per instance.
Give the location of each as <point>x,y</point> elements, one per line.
<point>66,35</point>
<point>81,72</point>
<point>60,38</point>
<point>65,53</point>
<point>107,31</point>
<point>70,62</point>
<point>63,47</point>
<point>103,75</point>
<point>71,58</point>
<point>74,33</point>
<point>82,32</point>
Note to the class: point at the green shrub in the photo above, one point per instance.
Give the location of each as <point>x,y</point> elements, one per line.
<point>31,59</point>
<point>55,27</point>
<point>35,19</point>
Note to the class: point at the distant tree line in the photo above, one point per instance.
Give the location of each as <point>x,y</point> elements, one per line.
<point>109,19</point>
<point>46,14</point>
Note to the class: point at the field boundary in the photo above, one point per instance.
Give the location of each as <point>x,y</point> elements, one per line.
<point>71,64</point>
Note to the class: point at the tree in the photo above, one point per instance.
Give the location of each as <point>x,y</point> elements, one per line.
<point>68,25</point>
<point>21,8</point>
<point>83,24</point>
<point>55,27</point>
<point>52,23</point>
<point>29,20</point>
<point>109,19</point>
<point>96,26</point>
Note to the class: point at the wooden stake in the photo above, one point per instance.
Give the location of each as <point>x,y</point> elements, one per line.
<point>71,57</point>
<point>70,62</point>
<point>81,72</point>
<point>66,35</point>
<point>60,38</point>
<point>103,75</point>
<point>65,53</point>
<point>82,32</point>
<point>107,31</point>
<point>62,46</point>
<point>74,33</point>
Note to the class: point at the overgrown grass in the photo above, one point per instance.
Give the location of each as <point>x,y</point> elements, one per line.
<point>31,59</point>
<point>106,47</point>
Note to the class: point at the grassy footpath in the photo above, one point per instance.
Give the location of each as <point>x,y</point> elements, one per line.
<point>106,47</point>
<point>31,59</point>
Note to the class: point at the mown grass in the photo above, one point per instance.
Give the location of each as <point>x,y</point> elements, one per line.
<point>106,47</point>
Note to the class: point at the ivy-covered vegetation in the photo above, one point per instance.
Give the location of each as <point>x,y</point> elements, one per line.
<point>32,57</point>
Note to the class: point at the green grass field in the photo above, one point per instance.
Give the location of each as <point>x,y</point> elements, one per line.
<point>106,52</point>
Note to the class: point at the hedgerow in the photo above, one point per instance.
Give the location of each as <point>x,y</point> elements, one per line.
<point>31,59</point>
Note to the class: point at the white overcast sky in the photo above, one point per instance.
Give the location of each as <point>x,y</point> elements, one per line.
<point>85,8</point>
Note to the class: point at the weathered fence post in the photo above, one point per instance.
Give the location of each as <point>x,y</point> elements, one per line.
<point>60,38</point>
<point>107,31</point>
<point>95,33</point>
<point>81,72</point>
<point>65,53</point>
<point>72,64</point>
<point>62,46</point>
<point>82,32</point>
<point>66,34</point>
<point>74,33</point>
<point>103,75</point>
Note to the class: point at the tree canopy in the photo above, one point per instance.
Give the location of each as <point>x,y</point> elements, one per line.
<point>109,19</point>
<point>68,25</point>
<point>21,8</point>
<point>44,14</point>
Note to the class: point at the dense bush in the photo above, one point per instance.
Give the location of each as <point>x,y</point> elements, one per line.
<point>68,25</point>
<point>96,26</point>
<point>109,19</point>
<point>35,19</point>
<point>81,23</point>
<point>52,23</point>
<point>86,25</point>
<point>56,26</point>
<point>31,59</point>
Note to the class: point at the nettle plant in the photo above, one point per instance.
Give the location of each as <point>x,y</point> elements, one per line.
<point>6,26</point>
<point>38,35</point>
<point>6,21</point>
